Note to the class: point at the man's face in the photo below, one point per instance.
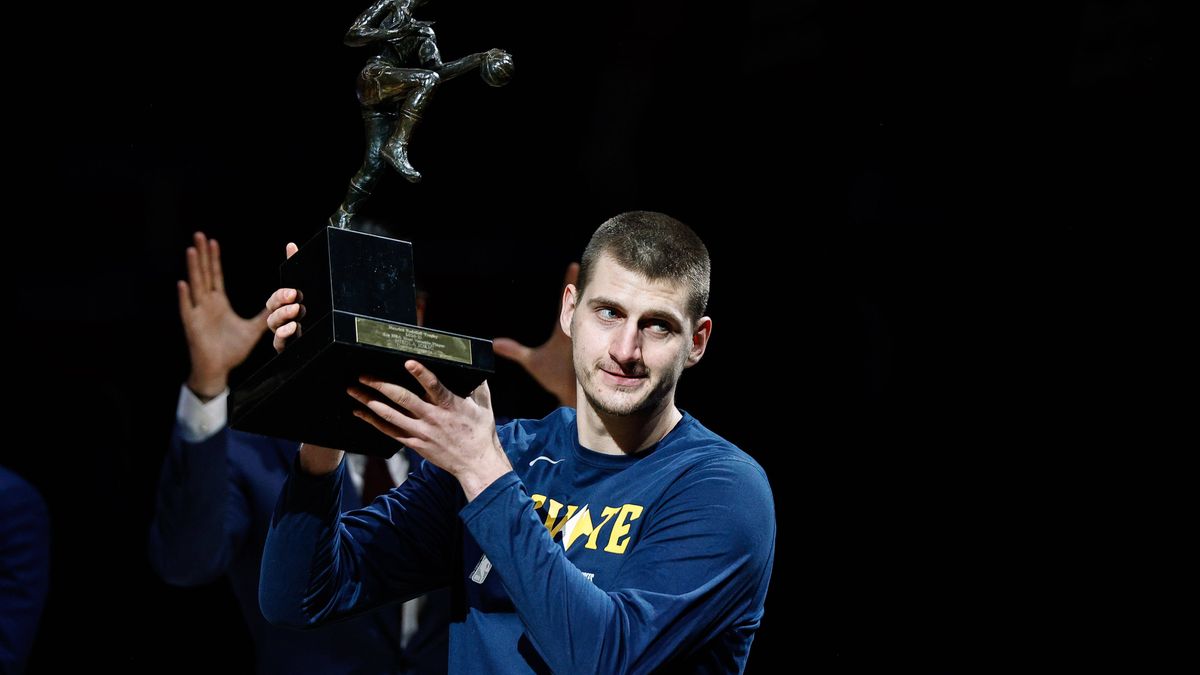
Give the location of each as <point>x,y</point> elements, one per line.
<point>631,339</point>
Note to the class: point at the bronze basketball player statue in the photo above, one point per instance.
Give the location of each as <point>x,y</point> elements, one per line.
<point>395,87</point>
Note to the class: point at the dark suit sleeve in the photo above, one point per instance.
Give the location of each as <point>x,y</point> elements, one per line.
<point>202,516</point>
<point>320,564</point>
<point>24,568</point>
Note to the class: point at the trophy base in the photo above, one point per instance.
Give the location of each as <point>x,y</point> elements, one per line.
<point>360,311</point>
<point>301,394</point>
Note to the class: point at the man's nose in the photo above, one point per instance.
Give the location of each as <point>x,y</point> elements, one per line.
<point>626,345</point>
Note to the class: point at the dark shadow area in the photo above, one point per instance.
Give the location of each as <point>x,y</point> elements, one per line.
<point>918,221</point>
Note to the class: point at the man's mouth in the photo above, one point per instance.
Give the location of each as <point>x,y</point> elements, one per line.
<point>622,379</point>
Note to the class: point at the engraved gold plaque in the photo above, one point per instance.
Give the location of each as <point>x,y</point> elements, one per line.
<point>412,340</point>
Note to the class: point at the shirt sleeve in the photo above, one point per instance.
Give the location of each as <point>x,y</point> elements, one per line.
<point>320,564</point>
<point>199,421</point>
<point>702,563</point>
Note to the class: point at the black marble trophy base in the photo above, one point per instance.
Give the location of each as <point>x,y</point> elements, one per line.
<point>360,316</point>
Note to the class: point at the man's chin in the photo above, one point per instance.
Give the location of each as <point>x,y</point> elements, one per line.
<point>615,406</point>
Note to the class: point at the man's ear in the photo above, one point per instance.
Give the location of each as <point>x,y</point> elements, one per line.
<point>567,310</point>
<point>700,338</point>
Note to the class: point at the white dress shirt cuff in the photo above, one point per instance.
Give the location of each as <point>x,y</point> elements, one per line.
<point>200,421</point>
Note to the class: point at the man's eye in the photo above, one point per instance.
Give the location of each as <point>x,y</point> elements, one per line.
<point>607,314</point>
<point>659,327</point>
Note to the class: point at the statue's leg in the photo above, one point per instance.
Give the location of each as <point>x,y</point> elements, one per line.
<point>378,125</point>
<point>395,151</point>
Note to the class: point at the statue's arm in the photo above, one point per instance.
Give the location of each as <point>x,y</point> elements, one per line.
<point>366,30</point>
<point>457,67</point>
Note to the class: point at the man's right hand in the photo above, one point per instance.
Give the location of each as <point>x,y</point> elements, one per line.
<point>284,310</point>
<point>218,339</point>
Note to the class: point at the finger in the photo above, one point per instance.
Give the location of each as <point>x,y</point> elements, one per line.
<point>435,391</point>
<point>290,249</point>
<point>284,315</point>
<point>572,274</point>
<point>389,430</point>
<point>218,275</point>
<point>281,339</point>
<point>482,395</point>
<point>398,395</point>
<point>204,283</point>
<point>512,350</point>
<point>185,300</point>
<point>193,269</point>
<point>372,400</point>
<point>281,297</point>
<point>287,330</point>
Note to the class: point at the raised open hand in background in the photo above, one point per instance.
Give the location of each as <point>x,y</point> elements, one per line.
<point>550,363</point>
<point>218,339</point>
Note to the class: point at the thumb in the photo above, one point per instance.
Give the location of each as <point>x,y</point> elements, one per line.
<point>260,319</point>
<point>482,396</point>
<point>511,350</point>
<point>290,249</point>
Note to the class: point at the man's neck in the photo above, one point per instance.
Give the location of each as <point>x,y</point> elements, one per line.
<point>624,434</point>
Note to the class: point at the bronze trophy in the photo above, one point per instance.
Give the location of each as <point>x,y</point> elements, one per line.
<point>358,289</point>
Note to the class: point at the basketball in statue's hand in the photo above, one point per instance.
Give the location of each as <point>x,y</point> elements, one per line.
<point>497,67</point>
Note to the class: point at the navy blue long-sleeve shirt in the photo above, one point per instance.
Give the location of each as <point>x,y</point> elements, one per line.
<point>574,562</point>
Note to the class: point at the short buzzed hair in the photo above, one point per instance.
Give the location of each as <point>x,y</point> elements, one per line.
<point>656,246</point>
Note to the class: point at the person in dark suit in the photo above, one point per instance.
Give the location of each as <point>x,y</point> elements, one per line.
<point>24,568</point>
<point>218,487</point>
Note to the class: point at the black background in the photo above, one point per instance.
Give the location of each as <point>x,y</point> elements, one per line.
<point>919,218</point>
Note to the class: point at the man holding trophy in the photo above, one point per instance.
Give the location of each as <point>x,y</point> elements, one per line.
<point>622,537</point>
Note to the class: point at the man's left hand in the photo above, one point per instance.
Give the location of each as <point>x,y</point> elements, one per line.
<point>457,434</point>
